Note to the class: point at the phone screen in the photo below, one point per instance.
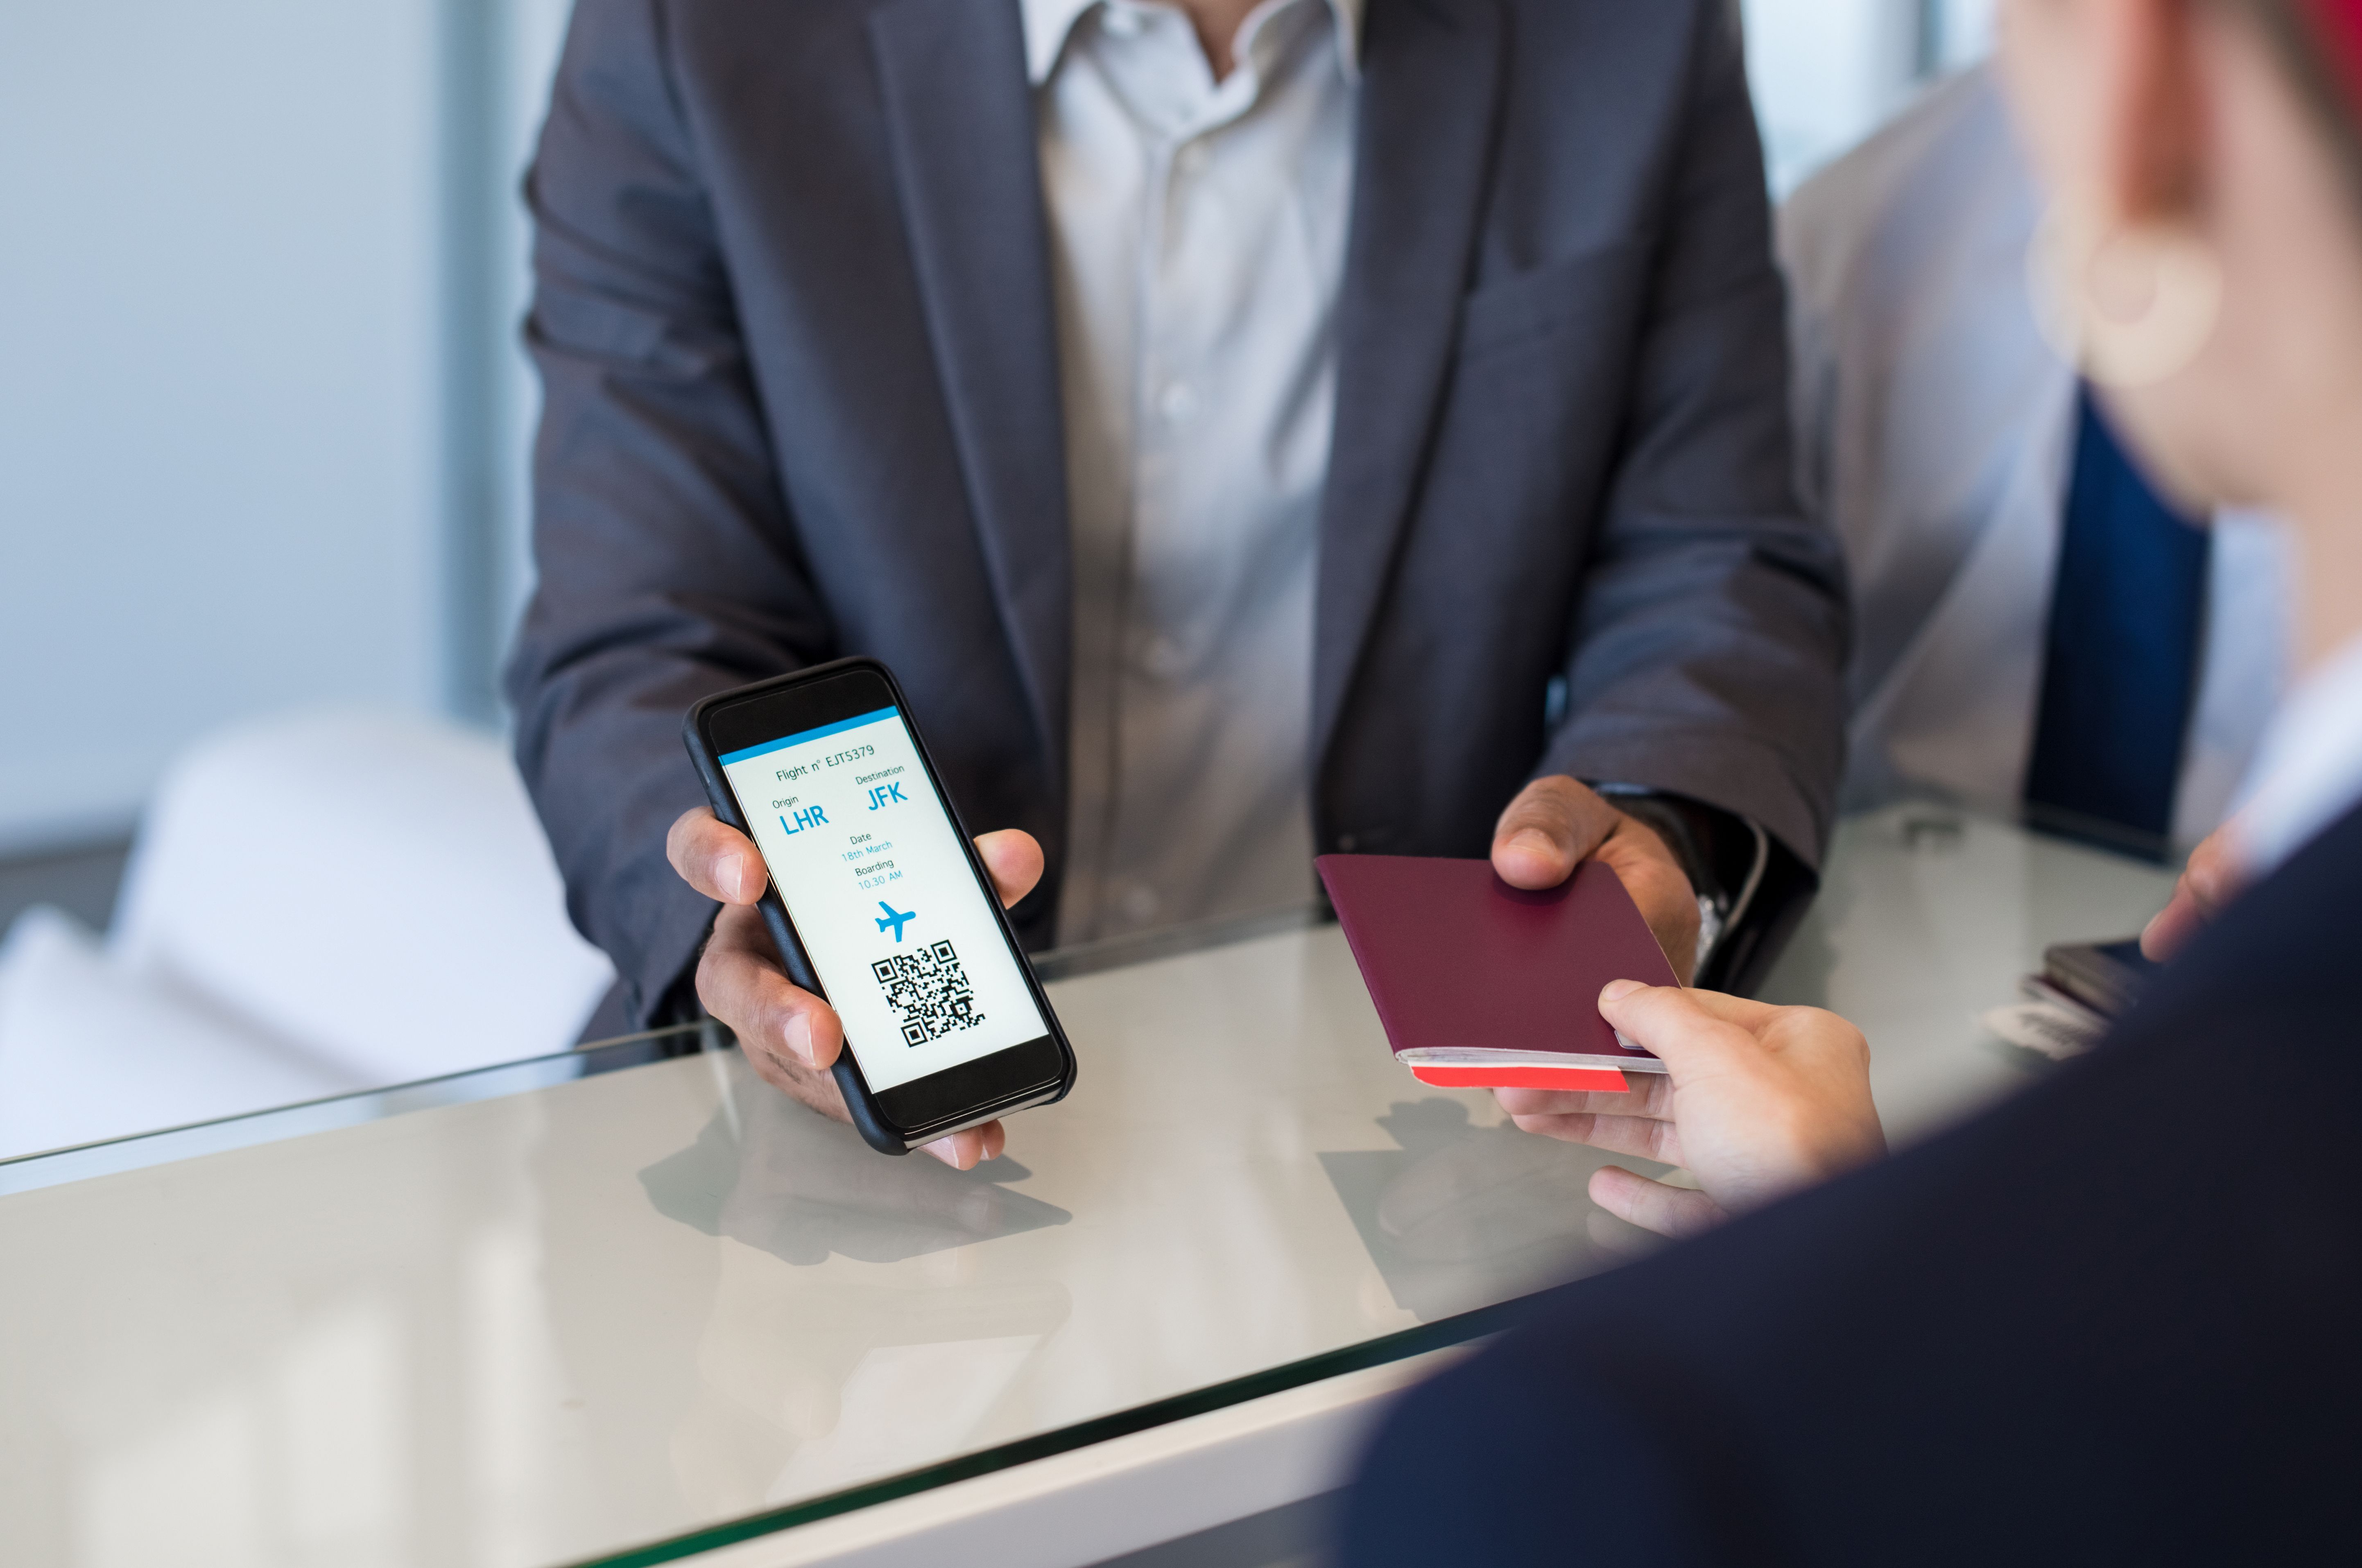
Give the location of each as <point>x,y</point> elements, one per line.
<point>879,887</point>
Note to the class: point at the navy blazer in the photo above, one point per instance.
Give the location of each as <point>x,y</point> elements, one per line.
<point>2118,1319</point>
<point>793,319</point>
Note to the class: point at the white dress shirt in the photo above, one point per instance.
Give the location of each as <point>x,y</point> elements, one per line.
<point>1935,427</point>
<point>1198,240</point>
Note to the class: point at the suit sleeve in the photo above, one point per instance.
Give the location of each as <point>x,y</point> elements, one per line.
<point>1708,644</point>
<point>666,566</point>
<point>1517,1458</point>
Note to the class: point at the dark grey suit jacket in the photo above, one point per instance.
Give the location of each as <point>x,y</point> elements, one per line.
<point>793,319</point>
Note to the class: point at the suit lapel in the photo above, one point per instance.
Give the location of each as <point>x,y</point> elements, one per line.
<point>959,116</point>
<point>1430,75</point>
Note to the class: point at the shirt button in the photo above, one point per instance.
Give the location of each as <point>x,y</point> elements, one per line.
<point>1190,159</point>
<point>1345,842</point>
<point>1122,21</point>
<point>1140,902</point>
<point>1177,401</point>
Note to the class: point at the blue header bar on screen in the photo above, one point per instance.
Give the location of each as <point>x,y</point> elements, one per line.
<point>800,736</point>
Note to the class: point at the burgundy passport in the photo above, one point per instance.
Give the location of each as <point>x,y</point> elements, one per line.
<point>1483,985</point>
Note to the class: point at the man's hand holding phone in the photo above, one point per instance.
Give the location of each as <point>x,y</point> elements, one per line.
<point>790,1036</point>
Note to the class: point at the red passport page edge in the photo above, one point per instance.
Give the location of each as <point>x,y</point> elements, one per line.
<point>1463,966</point>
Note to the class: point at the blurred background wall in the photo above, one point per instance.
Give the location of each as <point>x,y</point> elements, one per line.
<point>262,413</point>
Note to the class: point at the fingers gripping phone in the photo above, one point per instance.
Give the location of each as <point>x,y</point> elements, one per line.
<point>879,903</point>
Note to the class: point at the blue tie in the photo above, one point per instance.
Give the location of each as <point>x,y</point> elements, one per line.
<point>2120,667</point>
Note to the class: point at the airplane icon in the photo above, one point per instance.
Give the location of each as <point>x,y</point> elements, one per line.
<point>897,920</point>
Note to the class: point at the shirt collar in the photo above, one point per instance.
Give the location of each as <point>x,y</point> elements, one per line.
<point>1049,23</point>
<point>2308,771</point>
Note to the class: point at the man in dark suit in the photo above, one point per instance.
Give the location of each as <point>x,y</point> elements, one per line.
<point>2112,1321</point>
<point>860,321</point>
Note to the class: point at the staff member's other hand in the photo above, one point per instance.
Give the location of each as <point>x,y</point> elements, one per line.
<point>1555,824</point>
<point>1760,1100</point>
<point>789,1035</point>
<point>2212,879</point>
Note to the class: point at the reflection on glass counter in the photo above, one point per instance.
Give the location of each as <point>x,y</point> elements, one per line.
<point>1464,1214</point>
<point>561,1311</point>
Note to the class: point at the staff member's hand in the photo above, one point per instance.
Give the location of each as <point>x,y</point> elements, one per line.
<point>789,1035</point>
<point>1555,824</point>
<point>1760,1100</point>
<point>2212,879</point>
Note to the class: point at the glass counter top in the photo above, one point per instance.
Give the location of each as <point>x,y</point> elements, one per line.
<point>551,1313</point>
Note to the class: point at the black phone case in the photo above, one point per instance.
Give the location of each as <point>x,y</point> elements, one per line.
<point>859,1102</point>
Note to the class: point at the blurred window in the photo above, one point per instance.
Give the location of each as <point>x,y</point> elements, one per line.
<point>1828,72</point>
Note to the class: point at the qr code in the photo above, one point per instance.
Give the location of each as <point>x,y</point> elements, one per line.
<point>930,991</point>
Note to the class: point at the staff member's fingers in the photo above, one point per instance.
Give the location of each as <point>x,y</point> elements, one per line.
<point>1638,1136</point>
<point>1686,1031</point>
<point>1649,1095</point>
<point>1674,1211</point>
<point>2212,879</point>
<point>715,858</point>
<point>1745,1011</point>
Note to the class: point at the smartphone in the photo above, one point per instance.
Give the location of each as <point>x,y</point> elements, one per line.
<point>879,903</point>
<point>2105,977</point>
